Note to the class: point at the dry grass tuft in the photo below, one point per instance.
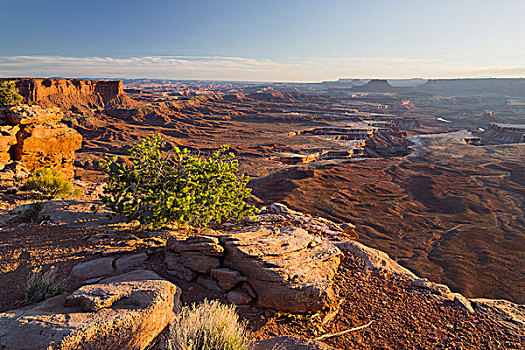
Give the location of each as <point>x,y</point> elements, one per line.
<point>207,326</point>
<point>42,286</point>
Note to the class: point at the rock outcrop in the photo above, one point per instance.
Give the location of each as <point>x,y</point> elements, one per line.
<point>284,268</point>
<point>35,137</point>
<point>122,312</point>
<point>289,269</point>
<point>507,315</point>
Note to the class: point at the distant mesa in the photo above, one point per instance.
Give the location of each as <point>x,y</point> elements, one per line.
<point>375,85</point>
<point>500,133</point>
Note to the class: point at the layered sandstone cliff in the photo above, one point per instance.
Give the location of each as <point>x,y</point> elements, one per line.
<point>35,137</point>
<point>74,95</point>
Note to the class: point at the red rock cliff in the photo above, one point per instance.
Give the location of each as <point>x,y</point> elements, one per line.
<point>74,94</point>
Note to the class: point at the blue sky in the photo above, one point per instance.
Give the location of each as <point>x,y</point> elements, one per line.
<point>262,40</point>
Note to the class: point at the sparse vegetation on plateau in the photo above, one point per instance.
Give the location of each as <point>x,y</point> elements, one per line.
<point>9,94</point>
<point>42,285</point>
<point>158,188</point>
<point>51,184</point>
<point>207,326</point>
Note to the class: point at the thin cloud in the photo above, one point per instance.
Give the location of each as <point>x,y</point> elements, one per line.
<point>239,68</point>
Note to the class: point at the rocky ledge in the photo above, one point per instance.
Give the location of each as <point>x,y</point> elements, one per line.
<point>283,268</point>
<point>122,312</point>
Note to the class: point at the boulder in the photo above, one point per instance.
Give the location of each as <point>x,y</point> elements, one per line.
<point>288,343</point>
<point>289,269</point>
<point>197,253</point>
<point>205,245</point>
<point>227,278</point>
<point>131,261</point>
<point>460,301</point>
<point>122,312</point>
<point>198,262</point>
<point>91,269</point>
<point>239,297</point>
<point>51,145</point>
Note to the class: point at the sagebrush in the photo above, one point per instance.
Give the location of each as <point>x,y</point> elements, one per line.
<point>42,285</point>
<point>158,188</point>
<point>207,326</point>
<point>50,183</point>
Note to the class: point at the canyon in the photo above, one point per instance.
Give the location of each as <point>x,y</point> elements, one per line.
<point>450,211</point>
<point>353,177</point>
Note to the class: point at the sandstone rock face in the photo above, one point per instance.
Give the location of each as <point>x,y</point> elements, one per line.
<point>227,278</point>
<point>7,141</point>
<point>35,137</point>
<point>289,269</point>
<point>508,315</point>
<point>51,146</point>
<point>205,245</point>
<point>132,310</point>
<point>288,343</point>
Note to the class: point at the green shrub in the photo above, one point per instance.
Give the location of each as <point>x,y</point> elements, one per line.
<point>9,94</point>
<point>158,188</point>
<point>207,326</point>
<point>42,286</point>
<point>51,184</point>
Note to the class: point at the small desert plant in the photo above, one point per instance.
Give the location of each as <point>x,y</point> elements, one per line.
<point>42,285</point>
<point>9,94</point>
<point>32,213</point>
<point>51,184</point>
<point>207,326</point>
<point>158,188</point>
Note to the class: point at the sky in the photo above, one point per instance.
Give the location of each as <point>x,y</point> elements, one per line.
<point>263,40</point>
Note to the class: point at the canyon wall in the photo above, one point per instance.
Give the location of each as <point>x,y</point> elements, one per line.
<point>74,95</point>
